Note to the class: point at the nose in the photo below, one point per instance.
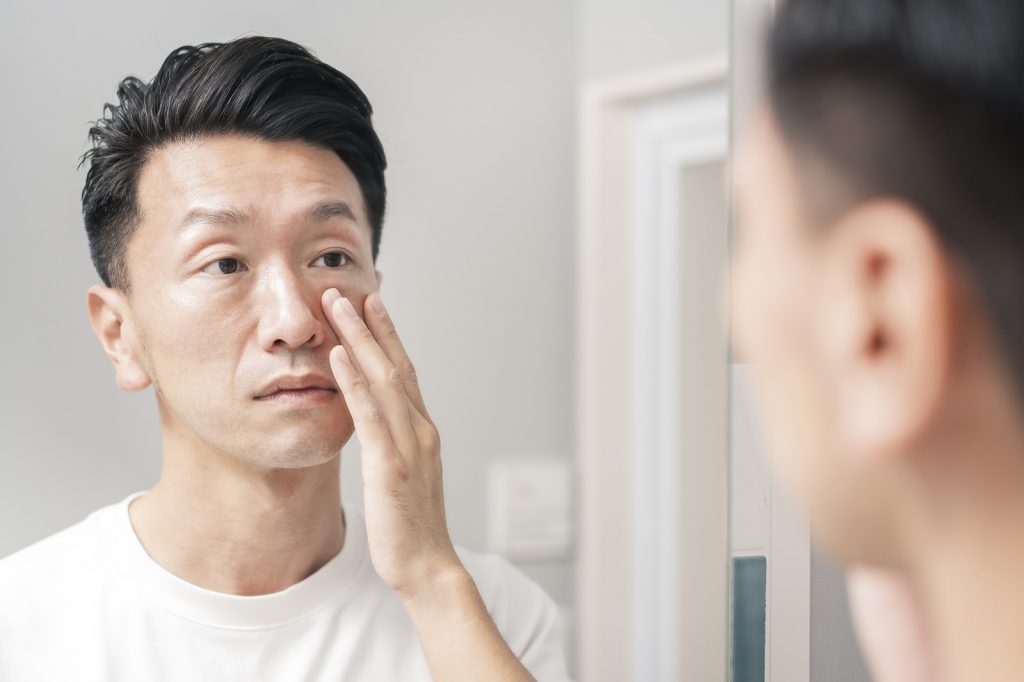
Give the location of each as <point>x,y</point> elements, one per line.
<point>289,312</point>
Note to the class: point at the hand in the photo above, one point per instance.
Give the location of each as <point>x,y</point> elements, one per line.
<point>890,625</point>
<point>401,453</point>
<point>402,492</point>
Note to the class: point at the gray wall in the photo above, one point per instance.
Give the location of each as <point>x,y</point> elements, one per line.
<point>621,37</point>
<point>475,106</point>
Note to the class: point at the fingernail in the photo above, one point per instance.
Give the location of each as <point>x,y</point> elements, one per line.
<point>349,310</point>
<point>377,303</point>
<point>342,303</point>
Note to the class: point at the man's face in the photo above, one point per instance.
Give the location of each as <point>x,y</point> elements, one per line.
<point>238,240</point>
<point>784,324</point>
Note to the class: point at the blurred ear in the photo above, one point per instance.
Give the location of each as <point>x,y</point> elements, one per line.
<point>887,309</point>
<point>380,278</point>
<point>110,317</point>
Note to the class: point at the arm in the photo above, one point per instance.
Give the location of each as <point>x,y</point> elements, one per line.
<point>405,520</point>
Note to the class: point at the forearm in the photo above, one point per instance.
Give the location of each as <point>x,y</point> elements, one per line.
<point>458,636</point>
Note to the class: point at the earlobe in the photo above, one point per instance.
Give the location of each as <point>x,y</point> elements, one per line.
<point>109,316</point>
<point>380,277</point>
<point>899,309</point>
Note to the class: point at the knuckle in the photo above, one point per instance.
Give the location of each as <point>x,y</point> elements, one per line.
<point>372,412</point>
<point>432,440</point>
<point>408,369</point>
<point>359,386</point>
<point>394,377</point>
<point>399,471</point>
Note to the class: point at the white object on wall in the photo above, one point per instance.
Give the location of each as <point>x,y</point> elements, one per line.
<point>530,509</point>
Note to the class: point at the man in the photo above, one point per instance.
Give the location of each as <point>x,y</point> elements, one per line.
<point>877,289</point>
<point>234,208</point>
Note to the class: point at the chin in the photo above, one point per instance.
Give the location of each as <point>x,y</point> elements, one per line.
<point>295,453</point>
<point>303,459</point>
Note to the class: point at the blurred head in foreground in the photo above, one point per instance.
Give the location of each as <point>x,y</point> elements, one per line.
<point>879,273</point>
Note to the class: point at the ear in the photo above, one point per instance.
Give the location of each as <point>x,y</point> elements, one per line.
<point>887,313</point>
<point>109,314</point>
<point>380,278</point>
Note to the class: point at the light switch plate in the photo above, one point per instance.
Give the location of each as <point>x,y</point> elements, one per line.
<point>530,508</point>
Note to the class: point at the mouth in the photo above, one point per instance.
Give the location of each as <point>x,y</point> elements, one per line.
<point>298,391</point>
<point>300,397</point>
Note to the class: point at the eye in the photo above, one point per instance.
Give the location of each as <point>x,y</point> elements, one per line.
<point>223,266</point>
<point>334,259</point>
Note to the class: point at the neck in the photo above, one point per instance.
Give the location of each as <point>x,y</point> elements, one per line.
<point>237,528</point>
<point>967,559</point>
<point>973,595</point>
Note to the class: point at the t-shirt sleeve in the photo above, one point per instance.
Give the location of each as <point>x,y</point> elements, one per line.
<point>526,616</point>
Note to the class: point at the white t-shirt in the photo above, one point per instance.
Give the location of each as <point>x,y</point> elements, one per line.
<point>88,603</point>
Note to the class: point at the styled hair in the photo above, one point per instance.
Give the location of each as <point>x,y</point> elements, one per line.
<point>922,101</point>
<point>268,88</point>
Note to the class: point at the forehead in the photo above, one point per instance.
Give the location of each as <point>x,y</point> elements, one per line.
<point>271,180</point>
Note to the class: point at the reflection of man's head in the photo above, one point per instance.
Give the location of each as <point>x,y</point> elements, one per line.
<point>879,266</point>
<point>222,199</point>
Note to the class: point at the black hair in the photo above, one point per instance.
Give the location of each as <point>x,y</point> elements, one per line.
<point>269,88</point>
<point>921,100</point>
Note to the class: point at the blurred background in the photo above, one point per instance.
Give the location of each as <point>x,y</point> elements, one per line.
<point>557,228</point>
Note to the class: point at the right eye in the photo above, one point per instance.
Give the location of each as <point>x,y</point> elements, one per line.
<point>223,266</point>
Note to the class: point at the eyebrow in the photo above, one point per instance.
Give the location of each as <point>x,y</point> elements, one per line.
<point>231,216</point>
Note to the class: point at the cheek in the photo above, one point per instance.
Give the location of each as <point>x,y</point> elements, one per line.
<point>773,305</point>
<point>763,300</point>
<point>195,345</point>
<point>356,286</point>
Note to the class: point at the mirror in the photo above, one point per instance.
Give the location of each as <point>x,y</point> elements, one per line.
<point>557,228</point>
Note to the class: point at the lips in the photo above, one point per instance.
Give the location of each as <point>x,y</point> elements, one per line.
<point>286,384</point>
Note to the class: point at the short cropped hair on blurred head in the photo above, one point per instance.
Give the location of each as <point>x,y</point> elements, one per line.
<point>921,101</point>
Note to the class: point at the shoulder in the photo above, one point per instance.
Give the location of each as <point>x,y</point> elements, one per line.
<point>526,616</point>
<point>50,553</point>
<point>43,574</point>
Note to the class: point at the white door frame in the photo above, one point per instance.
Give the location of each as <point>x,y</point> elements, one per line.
<point>635,574</point>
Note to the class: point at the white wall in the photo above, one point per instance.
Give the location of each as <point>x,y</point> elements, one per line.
<point>475,106</point>
<point>620,37</point>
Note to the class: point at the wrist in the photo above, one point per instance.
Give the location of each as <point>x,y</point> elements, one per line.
<point>443,589</point>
